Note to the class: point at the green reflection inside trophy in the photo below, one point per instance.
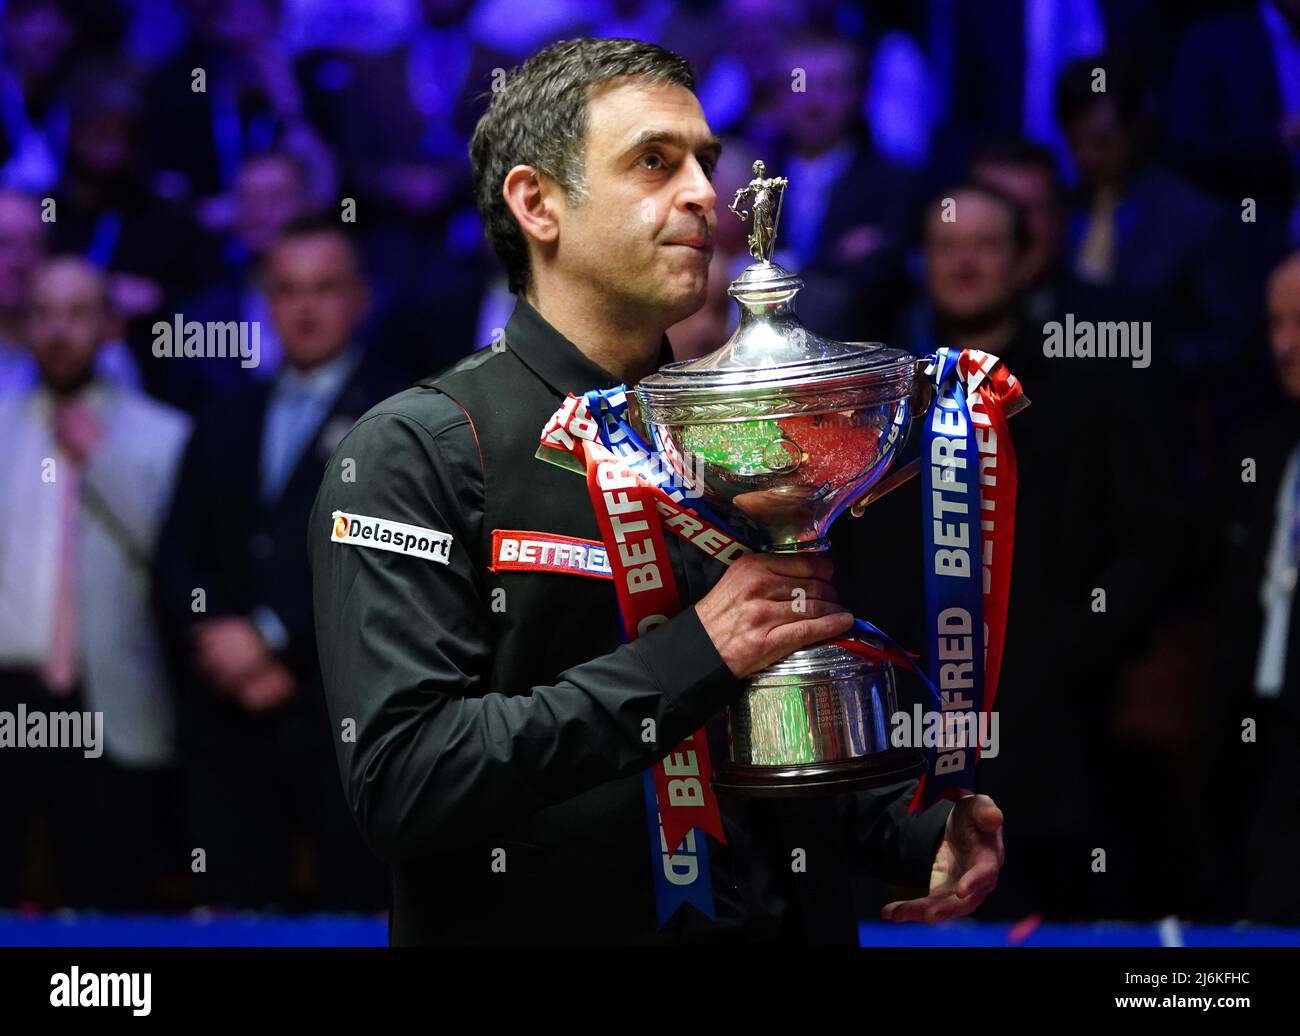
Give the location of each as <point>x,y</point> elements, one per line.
<point>780,731</point>
<point>741,448</point>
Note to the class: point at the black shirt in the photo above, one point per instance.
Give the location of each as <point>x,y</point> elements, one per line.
<point>491,722</point>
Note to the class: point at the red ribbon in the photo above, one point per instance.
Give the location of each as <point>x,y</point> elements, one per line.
<point>633,533</point>
<point>990,390</point>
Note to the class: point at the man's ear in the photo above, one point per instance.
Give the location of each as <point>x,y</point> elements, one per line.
<point>532,199</point>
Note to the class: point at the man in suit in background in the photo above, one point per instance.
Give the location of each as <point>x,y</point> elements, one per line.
<point>81,501</point>
<point>1232,114</point>
<point>1027,173</point>
<point>847,217</point>
<point>234,586</point>
<point>271,192</point>
<point>1089,504</point>
<point>1253,728</point>
<point>1145,246</point>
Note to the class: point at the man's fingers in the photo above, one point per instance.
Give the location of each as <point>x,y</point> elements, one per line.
<point>956,907</point>
<point>794,635</point>
<point>986,814</point>
<point>923,909</point>
<point>988,821</point>
<point>786,590</point>
<point>902,910</point>
<point>942,906</point>
<point>981,879</point>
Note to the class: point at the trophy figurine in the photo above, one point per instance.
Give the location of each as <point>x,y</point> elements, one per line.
<point>780,431</point>
<point>763,237</point>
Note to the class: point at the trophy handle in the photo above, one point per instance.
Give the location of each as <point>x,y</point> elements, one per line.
<point>921,401</point>
<point>922,394</point>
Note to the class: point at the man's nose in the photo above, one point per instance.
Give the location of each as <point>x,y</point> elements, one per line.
<point>697,194</point>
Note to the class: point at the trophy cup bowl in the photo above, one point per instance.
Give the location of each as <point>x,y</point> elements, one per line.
<point>779,432</point>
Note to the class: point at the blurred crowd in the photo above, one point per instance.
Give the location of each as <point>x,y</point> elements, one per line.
<point>963,172</point>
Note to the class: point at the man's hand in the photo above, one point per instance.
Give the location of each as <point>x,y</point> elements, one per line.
<point>768,605</point>
<point>270,686</point>
<point>965,867</point>
<point>228,651</point>
<point>78,430</point>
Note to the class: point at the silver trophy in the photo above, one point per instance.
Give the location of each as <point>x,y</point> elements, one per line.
<point>780,431</point>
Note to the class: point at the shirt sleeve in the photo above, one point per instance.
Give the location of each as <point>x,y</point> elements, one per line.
<point>429,755</point>
<point>893,844</point>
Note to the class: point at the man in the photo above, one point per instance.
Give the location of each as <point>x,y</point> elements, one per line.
<point>234,585</point>
<point>976,247</point>
<point>90,468</point>
<point>407,114</point>
<point>846,221</point>
<point>1256,675</point>
<point>1232,113</point>
<point>271,192</point>
<point>1027,174</point>
<point>37,38</point>
<point>996,62</point>
<point>252,100</point>
<point>107,210</point>
<point>1142,245</point>
<point>498,723</point>
<point>22,250</point>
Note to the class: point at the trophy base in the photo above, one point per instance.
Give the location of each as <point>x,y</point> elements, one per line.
<point>872,771</point>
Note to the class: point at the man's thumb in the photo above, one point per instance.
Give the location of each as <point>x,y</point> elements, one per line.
<point>987,815</point>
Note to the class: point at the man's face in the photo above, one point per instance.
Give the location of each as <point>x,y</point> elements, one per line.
<point>21,240</point>
<point>36,38</point>
<point>271,195</point>
<point>1284,324</point>
<point>1101,144</point>
<point>822,114</point>
<point>971,262</point>
<point>316,296</point>
<point>66,322</point>
<point>101,140</point>
<point>644,234</point>
<point>1033,191</point>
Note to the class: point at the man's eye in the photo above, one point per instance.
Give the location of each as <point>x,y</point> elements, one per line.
<point>656,159</point>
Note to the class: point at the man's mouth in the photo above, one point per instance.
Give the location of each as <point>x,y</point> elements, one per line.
<point>701,238</point>
<point>699,243</point>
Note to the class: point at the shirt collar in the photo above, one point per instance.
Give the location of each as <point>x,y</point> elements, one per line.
<point>556,360</point>
<point>322,380</point>
<point>95,393</point>
<point>829,163</point>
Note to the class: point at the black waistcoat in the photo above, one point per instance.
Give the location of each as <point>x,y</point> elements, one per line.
<point>586,862</point>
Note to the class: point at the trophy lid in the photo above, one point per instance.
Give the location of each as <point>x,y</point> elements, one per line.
<point>771,354</point>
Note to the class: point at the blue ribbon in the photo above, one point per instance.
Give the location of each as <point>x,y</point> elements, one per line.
<point>954,575</point>
<point>683,876</point>
<point>872,630</point>
<point>680,873</point>
<point>608,407</point>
